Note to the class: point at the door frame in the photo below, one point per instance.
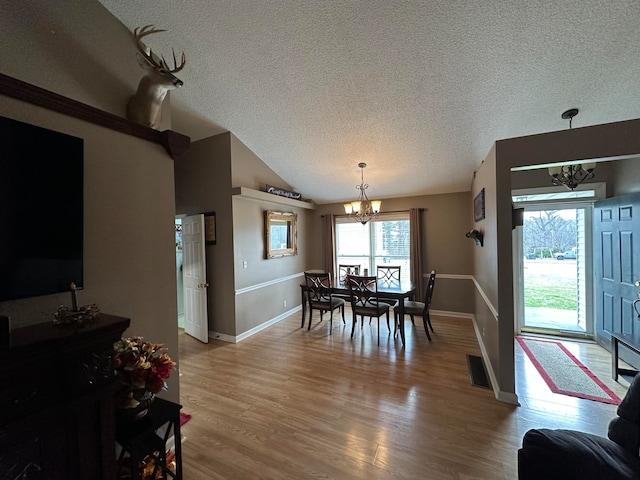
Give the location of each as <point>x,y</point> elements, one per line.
<point>579,201</point>
<point>194,278</point>
<point>622,312</point>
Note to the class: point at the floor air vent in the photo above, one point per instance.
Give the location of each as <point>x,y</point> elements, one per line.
<point>477,372</point>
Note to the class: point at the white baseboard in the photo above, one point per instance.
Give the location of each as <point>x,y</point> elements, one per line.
<point>500,395</point>
<point>446,313</point>
<point>254,330</point>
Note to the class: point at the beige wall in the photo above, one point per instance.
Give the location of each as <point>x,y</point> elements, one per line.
<point>446,219</point>
<point>244,299</point>
<point>239,299</point>
<point>625,177</point>
<point>77,49</point>
<point>203,184</point>
<point>490,287</point>
<point>264,286</point>
<point>248,170</point>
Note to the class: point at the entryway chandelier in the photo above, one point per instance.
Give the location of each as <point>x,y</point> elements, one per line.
<point>363,209</point>
<point>571,175</point>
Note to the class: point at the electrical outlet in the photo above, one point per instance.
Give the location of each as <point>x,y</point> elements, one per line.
<point>244,264</point>
<point>284,303</point>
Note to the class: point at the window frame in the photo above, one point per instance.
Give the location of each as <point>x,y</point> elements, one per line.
<point>371,258</point>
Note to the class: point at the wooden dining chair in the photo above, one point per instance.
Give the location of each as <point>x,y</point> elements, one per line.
<point>363,291</point>
<point>421,309</point>
<point>344,270</point>
<point>388,275</point>
<point>320,297</point>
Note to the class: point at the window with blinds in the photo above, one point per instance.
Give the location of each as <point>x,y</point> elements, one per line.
<point>384,241</point>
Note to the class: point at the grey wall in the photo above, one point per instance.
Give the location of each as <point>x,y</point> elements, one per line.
<point>79,50</point>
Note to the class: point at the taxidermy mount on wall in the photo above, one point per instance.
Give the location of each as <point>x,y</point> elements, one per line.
<point>145,106</point>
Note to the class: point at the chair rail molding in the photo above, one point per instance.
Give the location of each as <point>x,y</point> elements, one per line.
<point>275,281</point>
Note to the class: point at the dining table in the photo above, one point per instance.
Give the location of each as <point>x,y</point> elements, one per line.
<point>397,291</point>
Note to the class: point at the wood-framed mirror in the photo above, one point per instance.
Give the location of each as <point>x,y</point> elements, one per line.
<point>280,232</point>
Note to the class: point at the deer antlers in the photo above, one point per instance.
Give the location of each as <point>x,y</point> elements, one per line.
<point>146,52</point>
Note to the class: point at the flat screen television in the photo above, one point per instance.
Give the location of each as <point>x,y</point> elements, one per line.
<point>41,210</point>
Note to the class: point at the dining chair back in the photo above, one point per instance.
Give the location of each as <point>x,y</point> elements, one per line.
<point>363,292</point>
<point>320,297</point>
<point>420,309</point>
<point>388,275</point>
<point>344,270</point>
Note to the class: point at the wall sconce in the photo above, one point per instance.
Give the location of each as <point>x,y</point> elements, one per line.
<point>476,235</point>
<point>517,217</point>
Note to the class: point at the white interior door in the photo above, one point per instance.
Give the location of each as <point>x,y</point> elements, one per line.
<point>194,274</point>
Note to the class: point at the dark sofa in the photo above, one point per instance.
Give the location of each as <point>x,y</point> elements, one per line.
<point>568,454</point>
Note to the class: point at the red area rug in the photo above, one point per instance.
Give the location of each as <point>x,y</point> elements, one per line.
<point>564,373</point>
<point>184,418</point>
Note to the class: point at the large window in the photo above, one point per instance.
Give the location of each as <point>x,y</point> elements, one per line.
<point>384,241</point>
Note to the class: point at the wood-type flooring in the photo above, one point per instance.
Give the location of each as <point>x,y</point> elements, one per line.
<point>287,403</point>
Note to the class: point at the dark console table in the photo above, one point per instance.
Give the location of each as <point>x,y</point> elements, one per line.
<point>56,400</point>
<point>147,439</point>
<point>629,340</point>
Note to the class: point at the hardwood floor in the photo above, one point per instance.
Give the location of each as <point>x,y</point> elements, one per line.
<point>288,403</point>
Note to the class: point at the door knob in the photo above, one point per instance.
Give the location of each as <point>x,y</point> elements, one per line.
<point>203,285</point>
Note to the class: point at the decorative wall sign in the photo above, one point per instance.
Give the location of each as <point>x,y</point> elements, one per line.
<point>478,206</point>
<point>282,192</point>
<point>210,228</point>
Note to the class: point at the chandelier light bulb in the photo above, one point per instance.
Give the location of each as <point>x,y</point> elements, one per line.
<point>362,210</point>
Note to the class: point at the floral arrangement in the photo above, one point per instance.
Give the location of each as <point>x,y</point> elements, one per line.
<point>142,368</point>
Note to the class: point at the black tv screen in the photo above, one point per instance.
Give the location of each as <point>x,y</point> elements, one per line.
<point>41,210</point>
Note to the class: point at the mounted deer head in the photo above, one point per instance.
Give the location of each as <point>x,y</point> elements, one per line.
<point>144,107</point>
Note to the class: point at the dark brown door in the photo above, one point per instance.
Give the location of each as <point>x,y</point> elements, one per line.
<point>616,264</point>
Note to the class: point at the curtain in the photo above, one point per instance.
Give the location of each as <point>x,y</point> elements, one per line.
<point>329,241</point>
<point>415,246</point>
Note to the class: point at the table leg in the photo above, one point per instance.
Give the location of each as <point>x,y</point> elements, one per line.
<point>304,305</point>
<point>178,447</point>
<point>401,319</point>
<point>614,358</point>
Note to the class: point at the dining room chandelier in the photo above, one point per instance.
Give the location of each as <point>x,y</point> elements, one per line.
<point>571,175</point>
<point>362,210</point>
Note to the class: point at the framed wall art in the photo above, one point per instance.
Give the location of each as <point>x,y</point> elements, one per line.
<point>210,228</point>
<point>478,206</point>
<point>280,233</point>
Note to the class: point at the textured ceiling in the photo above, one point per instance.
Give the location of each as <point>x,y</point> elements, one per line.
<point>418,90</point>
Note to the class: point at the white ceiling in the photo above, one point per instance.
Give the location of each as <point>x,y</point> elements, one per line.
<point>419,90</point>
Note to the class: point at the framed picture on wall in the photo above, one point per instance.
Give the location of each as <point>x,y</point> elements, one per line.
<point>210,228</point>
<point>478,206</point>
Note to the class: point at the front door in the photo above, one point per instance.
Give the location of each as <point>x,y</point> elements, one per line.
<point>617,268</point>
<point>194,275</point>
